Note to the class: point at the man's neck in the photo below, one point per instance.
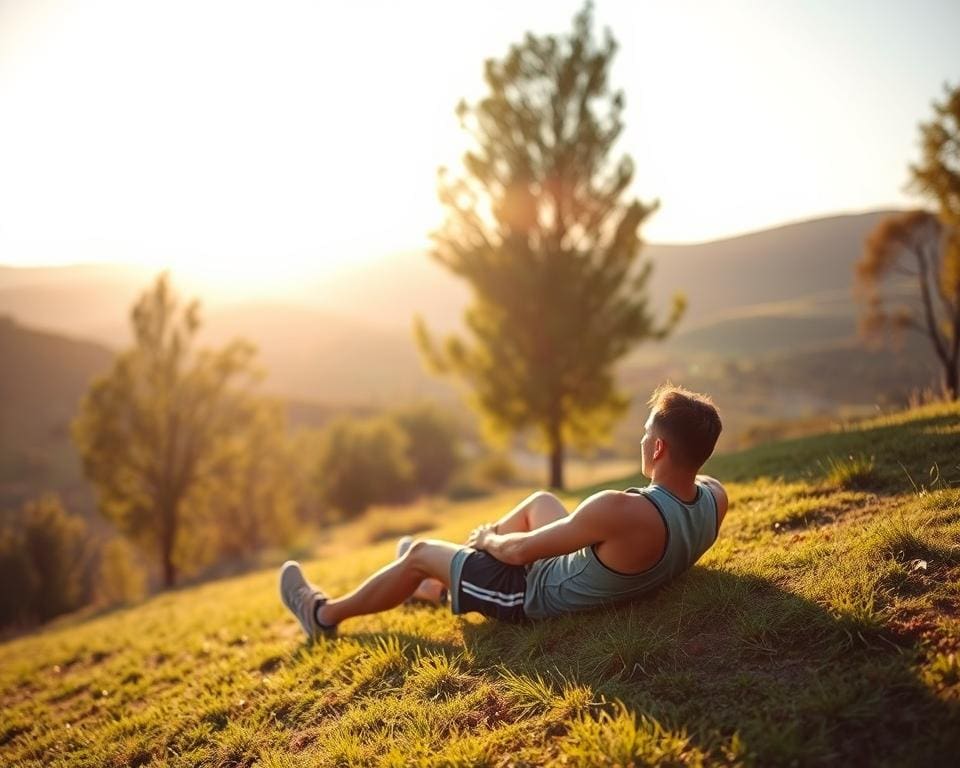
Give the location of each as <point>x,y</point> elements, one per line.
<point>680,484</point>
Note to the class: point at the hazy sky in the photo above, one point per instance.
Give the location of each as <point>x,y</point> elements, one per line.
<point>256,141</point>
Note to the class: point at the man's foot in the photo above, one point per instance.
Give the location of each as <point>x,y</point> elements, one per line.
<point>303,599</point>
<point>430,591</point>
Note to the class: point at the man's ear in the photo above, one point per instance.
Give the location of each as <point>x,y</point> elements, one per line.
<point>658,448</point>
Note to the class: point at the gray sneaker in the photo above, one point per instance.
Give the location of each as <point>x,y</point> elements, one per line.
<point>301,598</point>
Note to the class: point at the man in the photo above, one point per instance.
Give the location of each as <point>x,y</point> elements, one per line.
<point>538,561</point>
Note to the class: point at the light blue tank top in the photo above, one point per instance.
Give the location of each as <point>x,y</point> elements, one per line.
<point>579,581</point>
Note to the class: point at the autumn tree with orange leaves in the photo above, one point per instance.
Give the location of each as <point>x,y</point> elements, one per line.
<point>921,249</point>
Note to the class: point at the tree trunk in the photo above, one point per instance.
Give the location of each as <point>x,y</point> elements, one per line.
<point>167,537</point>
<point>952,381</point>
<point>169,571</point>
<point>556,460</point>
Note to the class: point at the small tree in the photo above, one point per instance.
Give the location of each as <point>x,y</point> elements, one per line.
<point>363,462</point>
<point>159,426</point>
<point>538,227</point>
<point>923,248</point>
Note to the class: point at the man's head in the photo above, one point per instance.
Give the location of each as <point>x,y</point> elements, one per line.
<point>681,432</point>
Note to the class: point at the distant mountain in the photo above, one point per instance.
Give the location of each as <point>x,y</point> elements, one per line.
<point>43,378</point>
<point>349,339</point>
<point>314,354</point>
<point>88,301</point>
<point>770,332</point>
<point>810,260</point>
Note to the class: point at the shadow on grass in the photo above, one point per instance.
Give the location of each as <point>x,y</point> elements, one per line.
<point>717,653</point>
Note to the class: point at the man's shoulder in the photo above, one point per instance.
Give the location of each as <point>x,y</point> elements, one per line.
<point>719,493</point>
<point>637,507</point>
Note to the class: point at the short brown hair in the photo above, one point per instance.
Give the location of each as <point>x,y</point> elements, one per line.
<point>689,422</point>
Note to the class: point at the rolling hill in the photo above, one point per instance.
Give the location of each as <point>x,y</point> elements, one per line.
<point>821,629</point>
<point>768,312</point>
<point>798,276</point>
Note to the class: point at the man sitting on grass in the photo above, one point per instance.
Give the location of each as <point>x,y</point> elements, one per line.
<point>538,561</point>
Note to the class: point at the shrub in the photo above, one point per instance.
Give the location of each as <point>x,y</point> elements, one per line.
<point>363,462</point>
<point>433,445</point>
<point>18,578</point>
<point>120,578</point>
<point>44,563</point>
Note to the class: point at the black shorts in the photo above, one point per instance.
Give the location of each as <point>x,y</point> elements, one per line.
<point>481,583</point>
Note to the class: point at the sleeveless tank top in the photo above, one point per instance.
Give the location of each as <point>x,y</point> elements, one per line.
<point>579,581</point>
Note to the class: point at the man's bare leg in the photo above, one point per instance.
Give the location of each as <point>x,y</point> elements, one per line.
<point>393,583</point>
<point>535,511</point>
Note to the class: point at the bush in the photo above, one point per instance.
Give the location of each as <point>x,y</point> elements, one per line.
<point>120,578</point>
<point>495,469</point>
<point>363,462</point>
<point>44,563</point>
<point>482,476</point>
<point>433,445</point>
<point>18,578</point>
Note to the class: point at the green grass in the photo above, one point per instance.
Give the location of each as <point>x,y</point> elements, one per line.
<point>823,627</point>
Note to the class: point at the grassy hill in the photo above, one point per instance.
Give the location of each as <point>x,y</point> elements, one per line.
<point>822,628</point>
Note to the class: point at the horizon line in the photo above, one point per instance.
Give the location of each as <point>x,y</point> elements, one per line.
<point>646,243</point>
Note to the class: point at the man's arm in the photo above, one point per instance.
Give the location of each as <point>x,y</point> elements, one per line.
<point>599,517</point>
<point>719,493</point>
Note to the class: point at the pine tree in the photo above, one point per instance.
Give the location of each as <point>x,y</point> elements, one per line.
<point>538,226</point>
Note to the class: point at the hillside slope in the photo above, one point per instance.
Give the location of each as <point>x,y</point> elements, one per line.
<point>44,375</point>
<point>822,628</point>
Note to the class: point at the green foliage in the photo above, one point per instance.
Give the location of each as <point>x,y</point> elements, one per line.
<point>537,227</point>
<point>257,507</point>
<point>937,175</point>
<point>44,563</point>
<point>160,432</point>
<point>433,445</point>
<point>363,462</point>
<point>18,577</point>
<point>482,475</point>
<point>120,577</point>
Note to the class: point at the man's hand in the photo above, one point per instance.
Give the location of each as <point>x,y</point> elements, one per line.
<point>479,536</point>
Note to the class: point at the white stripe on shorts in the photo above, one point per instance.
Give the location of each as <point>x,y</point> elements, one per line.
<point>469,589</point>
<point>492,592</point>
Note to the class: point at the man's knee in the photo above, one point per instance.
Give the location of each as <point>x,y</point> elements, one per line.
<point>431,557</point>
<point>543,500</point>
<point>547,500</point>
<point>421,553</point>
<point>416,549</point>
